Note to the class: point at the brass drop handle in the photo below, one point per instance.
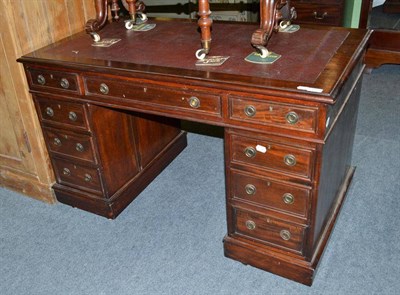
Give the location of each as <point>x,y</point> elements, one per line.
<point>292,118</point>
<point>79,147</point>
<point>41,80</point>
<point>285,235</point>
<point>64,83</point>
<point>290,160</point>
<point>320,17</point>
<point>194,102</point>
<point>250,152</point>
<point>104,88</point>
<point>49,112</point>
<point>88,177</point>
<point>57,141</point>
<point>288,198</point>
<point>73,116</point>
<point>250,189</point>
<point>250,111</point>
<point>251,225</point>
<point>66,172</point>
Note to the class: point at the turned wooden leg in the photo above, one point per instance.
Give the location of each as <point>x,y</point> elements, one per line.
<point>205,23</point>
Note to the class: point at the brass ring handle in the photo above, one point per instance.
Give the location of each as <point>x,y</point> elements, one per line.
<point>194,102</point>
<point>251,225</point>
<point>64,83</point>
<point>250,111</point>
<point>72,116</point>
<point>104,88</point>
<point>285,235</point>
<point>320,17</point>
<point>250,189</point>
<point>57,141</point>
<point>290,160</point>
<point>79,147</point>
<point>292,118</point>
<point>250,152</point>
<point>88,177</point>
<point>66,172</point>
<point>49,112</point>
<point>288,198</point>
<point>41,80</point>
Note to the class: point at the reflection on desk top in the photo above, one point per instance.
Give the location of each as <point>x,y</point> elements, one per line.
<point>313,56</point>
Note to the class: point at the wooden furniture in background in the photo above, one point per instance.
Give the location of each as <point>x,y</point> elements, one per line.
<point>319,12</point>
<point>289,127</point>
<point>24,27</point>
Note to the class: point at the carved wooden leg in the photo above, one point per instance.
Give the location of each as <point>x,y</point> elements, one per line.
<point>93,26</point>
<point>205,23</point>
<point>272,12</point>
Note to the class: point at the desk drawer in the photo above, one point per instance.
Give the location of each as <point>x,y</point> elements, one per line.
<point>270,193</point>
<point>61,113</point>
<point>274,114</point>
<point>271,156</point>
<point>267,229</point>
<point>70,145</point>
<point>41,79</point>
<point>314,13</point>
<point>78,176</point>
<point>156,96</point>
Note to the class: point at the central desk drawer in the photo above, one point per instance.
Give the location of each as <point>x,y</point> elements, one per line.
<point>155,96</point>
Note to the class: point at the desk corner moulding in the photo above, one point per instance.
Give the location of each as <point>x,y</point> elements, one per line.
<point>111,116</point>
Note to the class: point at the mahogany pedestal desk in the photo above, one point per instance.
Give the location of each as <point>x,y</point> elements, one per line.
<point>111,121</point>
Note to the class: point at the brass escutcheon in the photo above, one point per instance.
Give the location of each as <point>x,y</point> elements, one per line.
<point>64,83</point>
<point>285,235</point>
<point>72,116</point>
<point>194,102</point>
<point>250,152</point>
<point>292,118</point>
<point>290,160</point>
<point>288,198</point>
<point>250,224</point>
<point>250,189</point>
<point>250,111</point>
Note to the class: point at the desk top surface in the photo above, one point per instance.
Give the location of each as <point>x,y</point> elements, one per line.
<point>313,56</point>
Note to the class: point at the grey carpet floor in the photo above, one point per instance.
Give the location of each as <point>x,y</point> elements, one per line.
<point>169,240</point>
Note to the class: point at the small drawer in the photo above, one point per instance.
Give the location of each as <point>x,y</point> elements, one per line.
<point>271,156</point>
<point>318,14</point>
<point>77,176</point>
<point>270,193</point>
<point>273,114</point>
<point>61,113</point>
<point>270,230</point>
<point>191,102</point>
<point>70,145</point>
<point>40,79</point>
